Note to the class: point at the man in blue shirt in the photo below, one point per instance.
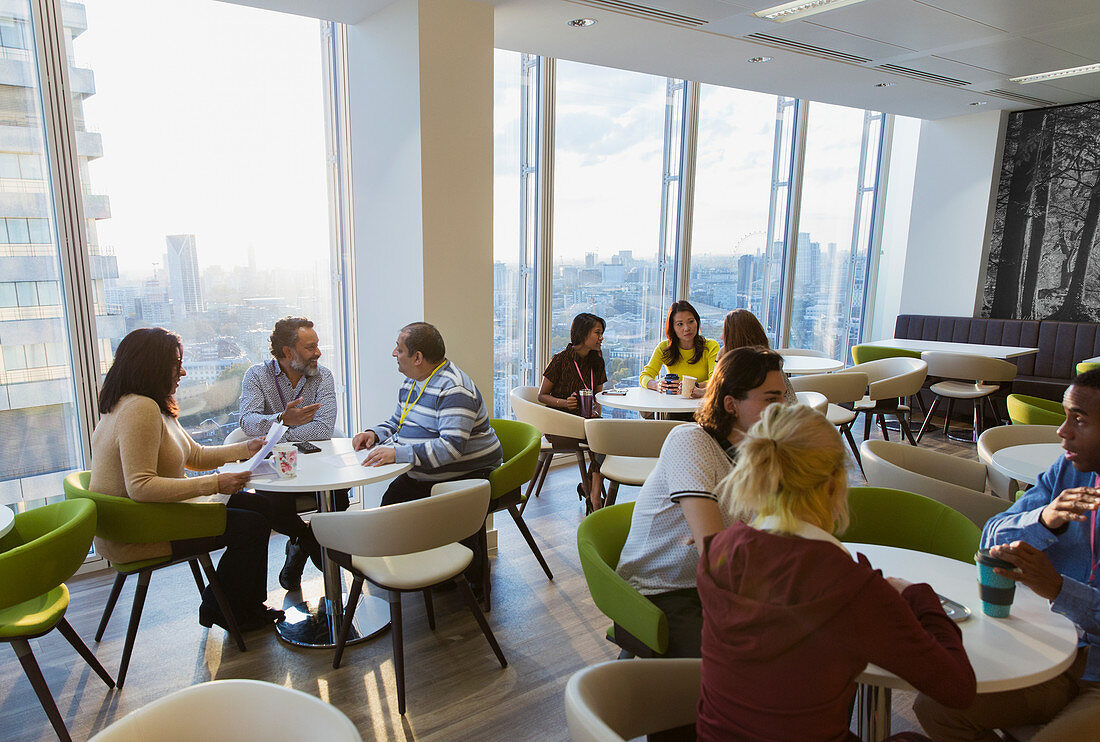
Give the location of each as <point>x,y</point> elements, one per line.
<point>1050,535</point>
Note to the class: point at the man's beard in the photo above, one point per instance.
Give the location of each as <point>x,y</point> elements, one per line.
<point>302,367</point>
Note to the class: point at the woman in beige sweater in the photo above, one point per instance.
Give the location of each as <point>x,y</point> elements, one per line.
<point>140,451</point>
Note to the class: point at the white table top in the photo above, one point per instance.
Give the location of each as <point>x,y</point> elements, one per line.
<point>639,399</point>
<point>810,365</point>
<point>7,519</point>
<point>1094,359</point>
<point>319,471</point>
<point>989,351</point>
<point>1025,463</point>
<point>1032,645</point>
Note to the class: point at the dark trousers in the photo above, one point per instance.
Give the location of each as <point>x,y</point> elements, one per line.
<point>284,512</point>
<point>406,489</point>
<point>242,570</point>
<point>685,621</point>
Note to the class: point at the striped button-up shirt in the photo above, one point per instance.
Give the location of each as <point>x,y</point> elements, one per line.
<point>446,431</point>
<point>261,402</point>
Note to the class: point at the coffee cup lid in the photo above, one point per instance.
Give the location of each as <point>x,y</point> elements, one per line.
<point>982,556</point>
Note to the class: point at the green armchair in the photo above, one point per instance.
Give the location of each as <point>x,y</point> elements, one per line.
<point>44,548</point>
<point>124,520</point>
<point>1025,410</point>
<point>890,517</point>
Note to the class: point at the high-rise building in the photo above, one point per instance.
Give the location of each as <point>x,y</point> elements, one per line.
<point>182,260</point>
<point>37,417</point>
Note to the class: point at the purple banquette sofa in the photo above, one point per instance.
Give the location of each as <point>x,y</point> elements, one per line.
<point>1062,345</point>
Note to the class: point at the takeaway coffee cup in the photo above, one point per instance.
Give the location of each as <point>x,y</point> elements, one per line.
<point>672,382</point>
<point>584,397</point>
<point>285,458</point>
<point>687,386</point>
<point>996,592</point>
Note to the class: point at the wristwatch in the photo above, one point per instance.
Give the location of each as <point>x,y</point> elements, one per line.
<point>279,418</point>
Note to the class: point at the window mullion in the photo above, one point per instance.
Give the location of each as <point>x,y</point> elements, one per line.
<point>544,225</point>
<point>688,156</point>
<point>794,206</point>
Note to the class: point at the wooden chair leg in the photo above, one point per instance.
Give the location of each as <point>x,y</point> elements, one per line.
<point>486,581</point>
<point>612,493</point>
<point>847,430</point>
<point>534,487</point>
<point>882,426</point>
<point>81,648</point>
<point>116,589</point>
<point>480,618</point>
<point>947,420</point>
<point>867,418</point>
<point>429,608</point>
<point>194,565</point>
<point>398,648</point>
<point>34,674</point>
<point>904,425</point>
<point>349,614</point>
<point>530,540</point>
<point>131,630</point>
<point>928,417</point>
<point>223,602</point>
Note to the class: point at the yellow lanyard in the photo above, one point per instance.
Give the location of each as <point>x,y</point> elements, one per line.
<point>405,410</point>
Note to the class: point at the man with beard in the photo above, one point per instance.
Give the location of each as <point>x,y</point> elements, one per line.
<point>294,390</point>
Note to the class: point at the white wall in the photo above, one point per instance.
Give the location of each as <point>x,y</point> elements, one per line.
<point>958,166</point>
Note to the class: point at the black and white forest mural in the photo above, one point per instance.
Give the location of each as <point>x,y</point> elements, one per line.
<point>1041,262</point>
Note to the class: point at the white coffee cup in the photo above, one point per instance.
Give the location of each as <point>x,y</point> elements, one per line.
<point>687,386</point>
<point>285,458</point>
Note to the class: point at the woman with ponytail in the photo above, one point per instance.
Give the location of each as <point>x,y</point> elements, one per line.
<point>790,617</point>
<point>677,506</point>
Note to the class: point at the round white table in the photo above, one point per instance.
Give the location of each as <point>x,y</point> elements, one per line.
<point>1025,463</point>
<point>7,519</point>
<point>335,467</point>
<point>1032,645</point>
<point>638,399</point>
<point>810,365</point>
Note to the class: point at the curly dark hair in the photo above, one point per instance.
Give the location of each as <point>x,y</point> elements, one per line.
<point>285,334</point>
<point>146,363</point>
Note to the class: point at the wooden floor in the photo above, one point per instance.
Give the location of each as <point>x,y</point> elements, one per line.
<point>455,687</point>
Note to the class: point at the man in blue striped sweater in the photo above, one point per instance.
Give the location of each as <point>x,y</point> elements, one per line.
<point>440,425</point>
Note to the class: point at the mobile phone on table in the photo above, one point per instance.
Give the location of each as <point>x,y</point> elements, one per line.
<point>306,447</point>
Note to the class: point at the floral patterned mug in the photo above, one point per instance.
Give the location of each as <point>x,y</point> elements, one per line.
<point>285,458</point>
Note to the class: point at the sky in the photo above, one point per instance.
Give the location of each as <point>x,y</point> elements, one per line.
<point>213,124</point>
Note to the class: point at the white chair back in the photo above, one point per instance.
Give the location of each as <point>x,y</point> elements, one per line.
<point>956,482</point>
<point>899,376</point>
<point>801,352</point>
<point>236,436</point>
<point>1003,436</point>
<point>624,699</point>
<point>816,401</point>
<point>231,710</point>
<point>454,511</point>
<point>968,367</point>
<point>839,388</point>
<point>628,437</point>
<point>527,409</point>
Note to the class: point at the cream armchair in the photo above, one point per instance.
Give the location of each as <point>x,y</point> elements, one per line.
<point>562,431</point>
<point>1003,436</point>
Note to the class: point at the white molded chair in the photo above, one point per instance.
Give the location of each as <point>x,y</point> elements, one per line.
<point>891,381</point>
<point>843,388</point>
<point>1003,436</point>
<point>624,699</point>
<point>408,547</point>
<point>964,377</point>
<point>631,448</point>
<point>232,710</point>
<point>563,426</point>
<point>956,482</point>
<point>816,401</point>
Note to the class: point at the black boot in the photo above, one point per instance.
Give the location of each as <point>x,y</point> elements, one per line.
<point>290,576</point>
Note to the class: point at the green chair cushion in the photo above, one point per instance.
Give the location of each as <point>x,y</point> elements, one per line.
<point>865,353</point>
<point>124,520</point>
<point>44,548</point>
<point>600,540</point>
<point>890,517</point>
<point>1025,410</point>
<point>35,616</point>
<point>1084,366</point>
<point>521,444</point>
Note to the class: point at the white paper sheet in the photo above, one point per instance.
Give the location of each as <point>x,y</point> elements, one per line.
<point>349,458</point>
<point>274,435</point>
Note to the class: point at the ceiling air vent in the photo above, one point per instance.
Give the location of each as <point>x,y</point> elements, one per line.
<point>798,46</point>
<point>921,75</point>
<point>641,11</point>
<point>1022,98</point>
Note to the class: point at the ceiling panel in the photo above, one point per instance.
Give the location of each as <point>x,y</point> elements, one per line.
<point>1019,16</point>
<point>1013,57</point>
<point>1082,38</point>
<point>1081,85</point>
<point>947,68</point>
<point>905,23</point>
<point>807,33</point>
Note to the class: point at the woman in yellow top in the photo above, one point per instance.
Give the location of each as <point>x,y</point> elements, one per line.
<point>685,352</point>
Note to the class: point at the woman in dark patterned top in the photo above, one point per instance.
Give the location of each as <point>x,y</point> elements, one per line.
<point>579,366</point>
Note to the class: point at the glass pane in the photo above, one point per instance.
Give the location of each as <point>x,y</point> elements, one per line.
<point>733,181</point>
<point>37,417</point>
<point>209,218</point>
<point>607,207</point>
<point>831,262</point>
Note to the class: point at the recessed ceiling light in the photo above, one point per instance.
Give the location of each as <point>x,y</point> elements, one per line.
<point>758,60</point>
<point>1069,72</point>
<point>801,9</point>
<point>978,103</point>
<point>582,22</point>
<point>885,84</point>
